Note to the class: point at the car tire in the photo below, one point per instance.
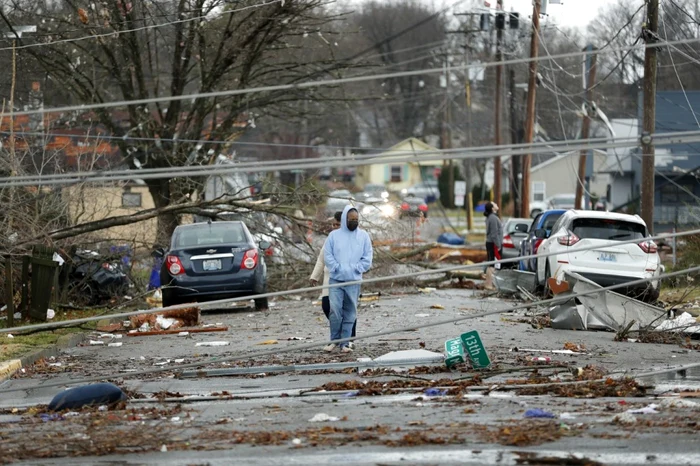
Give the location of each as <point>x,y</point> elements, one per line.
<point>261,304</point>
<point>547,290</point>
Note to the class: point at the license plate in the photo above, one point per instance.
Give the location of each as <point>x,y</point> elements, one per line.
<point>607,257</point>
<point>212,264</point>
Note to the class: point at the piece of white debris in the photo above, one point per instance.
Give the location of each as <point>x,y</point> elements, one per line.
<point>9,335</point>
<point>651,409</point>
<point>183,334</point>
<point>213,343</point>
<point>179,361</point>
<point>115,345</point>
<point>164,449</point>
<point>296,441</point>
<point>323,417</point>
<point>96,342</point>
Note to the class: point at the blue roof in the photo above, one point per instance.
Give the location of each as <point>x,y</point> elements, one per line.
<point>678,111</point>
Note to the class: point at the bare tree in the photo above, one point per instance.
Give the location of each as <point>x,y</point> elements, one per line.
<point>135,50</point>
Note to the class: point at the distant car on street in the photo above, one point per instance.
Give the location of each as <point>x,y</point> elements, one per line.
<point>529,245</point>
<point>558,201</point>
<point>214,260</point>
<point>413,207</point>
<point>426,190</point>
<point>514,231</point>
<point>604,263</point>
<point>374,191</point>
<point>337,200</point>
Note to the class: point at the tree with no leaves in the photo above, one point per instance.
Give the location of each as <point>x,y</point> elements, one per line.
<point>127,50</point>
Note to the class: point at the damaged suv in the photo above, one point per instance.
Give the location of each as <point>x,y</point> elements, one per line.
<point>584,242</point>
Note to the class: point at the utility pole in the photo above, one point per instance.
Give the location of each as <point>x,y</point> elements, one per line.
<point>497,170</point>
<point>649,33</point>
<point>446,139</point>
<point>530,112</point>
<point>514,159</point>
<point>586,125</point>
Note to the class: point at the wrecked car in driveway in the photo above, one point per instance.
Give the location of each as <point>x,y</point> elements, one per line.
<point>604,263</point>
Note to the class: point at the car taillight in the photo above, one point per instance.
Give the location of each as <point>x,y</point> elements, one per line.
<point>269,251</point>
<point>405,206</point>
<point>649,247</point>
<point>250,259</point>
<point>174,265</point>
<point>508,242</point>
<point>423,208</point>
<point>537,245</point>
<point>568,240</point>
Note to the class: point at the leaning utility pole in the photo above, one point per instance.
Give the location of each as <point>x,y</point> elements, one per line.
<point>586,125</point>
<point>649,33</point>
<point>515,172</point>
<point>500,25</point>
<point>530,112</point>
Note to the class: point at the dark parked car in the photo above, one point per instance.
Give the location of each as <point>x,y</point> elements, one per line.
<point>413,207</point>
<point>209,261</point>
<point>515,230</point>
<point>528,247</point>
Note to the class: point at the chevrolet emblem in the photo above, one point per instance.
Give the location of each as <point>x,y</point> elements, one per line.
<point>211,251</point>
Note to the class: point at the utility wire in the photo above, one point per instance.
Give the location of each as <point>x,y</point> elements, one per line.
<point>308,346</point>
<point>343,161</point>
<point>479,266</point>
<point>331,82</point>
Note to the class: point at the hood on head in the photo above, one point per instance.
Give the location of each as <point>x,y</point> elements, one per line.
<point>344,218</point>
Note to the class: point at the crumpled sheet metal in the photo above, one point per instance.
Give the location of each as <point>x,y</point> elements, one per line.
<point>508,280</point>
<point>613,309</point>
<point>570,316</point>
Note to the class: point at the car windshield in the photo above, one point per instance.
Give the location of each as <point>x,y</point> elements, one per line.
<point>550,221</point>
<point>373,188</point>
<point>607,229</point>
<point>214,234</point>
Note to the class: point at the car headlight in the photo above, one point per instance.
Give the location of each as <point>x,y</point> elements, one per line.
<point>388,210</point>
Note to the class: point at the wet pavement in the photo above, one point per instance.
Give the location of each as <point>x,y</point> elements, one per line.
<point>265,418</point>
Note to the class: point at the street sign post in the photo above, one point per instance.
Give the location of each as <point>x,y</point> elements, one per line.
<point>475,349</point>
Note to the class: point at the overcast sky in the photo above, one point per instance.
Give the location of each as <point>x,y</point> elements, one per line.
<point>570,13</point>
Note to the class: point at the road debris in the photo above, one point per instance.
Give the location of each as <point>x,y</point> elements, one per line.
<point>437,306</point>
<point>510,281</point>
<point>179,331</point>
<point>88,395</point>
<point>539,413</point>
<point>323,417</point>
<point>651,409</point>
<point>169,320</point>
<point>625,418</point>
<point>268,342</point>
<point>213,343</point>
<point>684,323</point>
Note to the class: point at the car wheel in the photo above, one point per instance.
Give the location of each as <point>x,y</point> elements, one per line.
<point>261,304</point>
<point>547,290</point>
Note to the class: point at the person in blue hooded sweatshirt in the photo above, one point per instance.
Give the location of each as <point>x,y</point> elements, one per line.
<point>348,254</point>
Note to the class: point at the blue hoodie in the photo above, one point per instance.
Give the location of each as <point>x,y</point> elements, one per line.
<point>348,254</point>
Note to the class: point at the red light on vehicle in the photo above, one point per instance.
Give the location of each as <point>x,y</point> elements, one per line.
<point>537,245</point>
<point>250,259</point>
<point>405,206</point>
<point>174,265</point>
<point>423,207</point>
<point>508,242</point>
<point>649,247</point>
<point>568,240</point>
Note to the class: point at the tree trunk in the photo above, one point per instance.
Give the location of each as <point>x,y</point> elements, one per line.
<point>160,191</point>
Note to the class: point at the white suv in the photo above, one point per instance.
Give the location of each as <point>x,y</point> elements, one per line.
<point>601,262</point>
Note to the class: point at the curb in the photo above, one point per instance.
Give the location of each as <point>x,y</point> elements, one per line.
<point>9,368</point>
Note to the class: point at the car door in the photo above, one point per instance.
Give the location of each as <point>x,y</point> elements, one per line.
<point>529,243</point>
<point>550,248</point>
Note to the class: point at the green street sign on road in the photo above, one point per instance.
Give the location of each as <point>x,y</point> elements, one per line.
<point>454,352</point>
<point>475,350</point>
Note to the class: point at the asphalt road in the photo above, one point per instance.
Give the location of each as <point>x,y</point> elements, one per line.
<point>387,417</point>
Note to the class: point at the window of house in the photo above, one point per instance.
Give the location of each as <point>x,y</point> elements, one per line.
<point>131,199</point>
<point>538,191</point>
<point>672,194</point>
<point>396,172</point>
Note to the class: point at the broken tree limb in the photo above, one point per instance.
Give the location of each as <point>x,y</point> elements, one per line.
<point>178,331</point>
